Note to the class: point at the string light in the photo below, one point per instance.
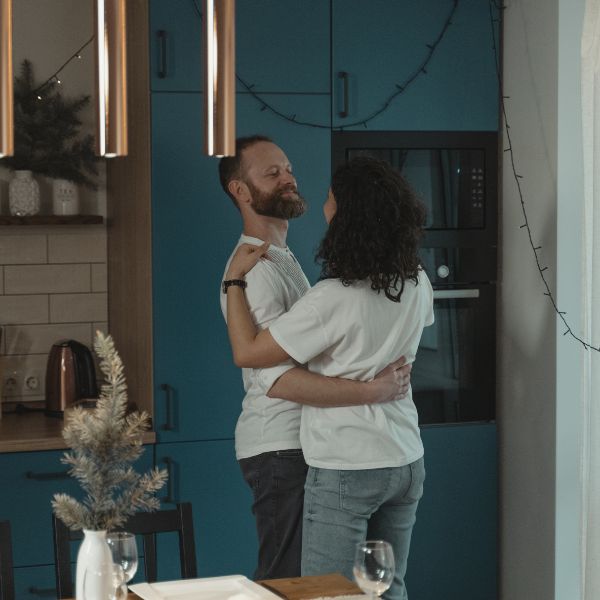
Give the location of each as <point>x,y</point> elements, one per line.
<point>535,248</point>
<point>54,77</point>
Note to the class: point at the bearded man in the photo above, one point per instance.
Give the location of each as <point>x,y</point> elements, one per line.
<point>260,182</point>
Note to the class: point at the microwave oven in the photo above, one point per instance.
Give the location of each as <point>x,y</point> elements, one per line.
<point>455,173</point>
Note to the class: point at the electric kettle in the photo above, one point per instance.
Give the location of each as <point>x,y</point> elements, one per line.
<point>70,377</point>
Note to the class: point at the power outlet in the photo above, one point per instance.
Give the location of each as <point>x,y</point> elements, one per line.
<point>11,384</point>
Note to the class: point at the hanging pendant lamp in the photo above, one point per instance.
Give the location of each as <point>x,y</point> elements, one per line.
<point>219,77</point>
<point>111,78</point>
<point>6,80</point>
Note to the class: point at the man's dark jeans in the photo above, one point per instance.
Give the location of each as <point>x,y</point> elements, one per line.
<point>277,482</point>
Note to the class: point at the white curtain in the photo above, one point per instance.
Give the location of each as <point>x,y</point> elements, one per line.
<point>590,463</point>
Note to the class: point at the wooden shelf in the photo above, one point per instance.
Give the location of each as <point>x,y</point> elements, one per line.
<point>52,220</point>
<point>35,431</point>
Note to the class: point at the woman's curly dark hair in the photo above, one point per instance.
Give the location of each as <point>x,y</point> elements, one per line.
<point>376,229</point>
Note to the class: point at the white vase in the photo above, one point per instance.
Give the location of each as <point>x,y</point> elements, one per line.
<point>94,567</point>
<point>23,194</point>
<point>65,197</point>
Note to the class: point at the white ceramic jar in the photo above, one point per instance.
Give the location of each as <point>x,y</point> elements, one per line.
<point>65,197</point>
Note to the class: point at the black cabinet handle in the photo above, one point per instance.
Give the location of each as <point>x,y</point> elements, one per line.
<point>168,390</point>
<point>169,498</point>
<point>47,476</point>
<point>43,592</point>
<point>161,34</point>
<point>345,100</point>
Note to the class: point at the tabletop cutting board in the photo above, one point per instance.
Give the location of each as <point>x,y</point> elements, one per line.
<point>312,586</point>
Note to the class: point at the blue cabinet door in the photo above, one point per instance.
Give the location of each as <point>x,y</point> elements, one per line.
<point>453,552</point>
<point>381,44</point>
<point>207,475</point>
<point>35,583</point>
<point>28,481</point>
<point>175,45</point>
<point>281,45</point>
<point>195,227</point>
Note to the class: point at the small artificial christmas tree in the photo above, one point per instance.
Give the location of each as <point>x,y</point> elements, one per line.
<point>47,132</point>
<point>104,442</point>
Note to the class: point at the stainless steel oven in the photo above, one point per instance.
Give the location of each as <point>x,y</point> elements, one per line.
<point>456,175</point>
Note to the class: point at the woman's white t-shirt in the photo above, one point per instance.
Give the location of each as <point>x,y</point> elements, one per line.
<point>355,332</point>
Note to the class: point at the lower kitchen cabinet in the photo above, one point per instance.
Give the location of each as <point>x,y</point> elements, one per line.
<point>206,474</point>
<point>35,583</point>
<point>28,481</point>
<point>454,545</point>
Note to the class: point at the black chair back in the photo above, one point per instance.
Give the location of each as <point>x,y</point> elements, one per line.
<point>7,583</point>
<point>145,524</point>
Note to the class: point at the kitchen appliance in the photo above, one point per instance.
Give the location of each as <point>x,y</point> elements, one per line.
<point>70,377</point>
<point>455,173</point>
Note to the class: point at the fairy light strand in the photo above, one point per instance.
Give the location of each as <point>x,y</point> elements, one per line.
<point>400,87</point>
<point>517,177</point>
<point>54,77</point>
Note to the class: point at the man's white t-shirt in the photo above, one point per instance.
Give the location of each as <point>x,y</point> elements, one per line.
<point>354,332</point>
<point>268,424</point>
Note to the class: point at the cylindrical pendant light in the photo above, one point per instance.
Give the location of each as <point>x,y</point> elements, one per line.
<point>111,78</point>
<point>7,140</point>
<point>219,77</point>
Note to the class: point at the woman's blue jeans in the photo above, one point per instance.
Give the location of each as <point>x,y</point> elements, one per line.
<point>342,508</point>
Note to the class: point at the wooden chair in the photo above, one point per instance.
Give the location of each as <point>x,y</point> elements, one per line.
<point>145,524</point>
<point>7,584</point>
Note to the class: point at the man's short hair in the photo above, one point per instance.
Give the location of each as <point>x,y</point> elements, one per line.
<point>230,167</point>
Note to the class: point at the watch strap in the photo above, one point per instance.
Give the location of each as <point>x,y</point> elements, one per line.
<point>238,282</point>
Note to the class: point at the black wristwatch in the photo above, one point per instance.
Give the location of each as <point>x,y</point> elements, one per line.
<point>229,282</point>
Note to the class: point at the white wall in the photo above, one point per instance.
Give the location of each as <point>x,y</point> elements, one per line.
<point>539,368</point>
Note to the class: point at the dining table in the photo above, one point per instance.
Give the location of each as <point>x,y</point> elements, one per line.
<point>311,587</point>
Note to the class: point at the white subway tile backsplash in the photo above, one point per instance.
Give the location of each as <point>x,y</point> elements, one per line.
<point>78,308</point>
<point>23,309</point>
<point>38,339</point>
<point>22,249</point>
<point>49,279</point>
<point>77,248</point>
<point>99,278</point>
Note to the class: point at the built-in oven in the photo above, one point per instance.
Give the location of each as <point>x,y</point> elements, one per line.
<point>455,174</point>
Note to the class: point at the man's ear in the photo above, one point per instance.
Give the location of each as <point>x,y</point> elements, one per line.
<point>239,190</point>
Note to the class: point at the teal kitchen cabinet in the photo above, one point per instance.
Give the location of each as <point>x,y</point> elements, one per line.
<point>381,44</point>
<point>35,583</point>
<point>197,389</point>
<point>28,481</point>
<point>281,45</point>
<point>454,552</point>
<point>207,474</point>
<point>175,45</point>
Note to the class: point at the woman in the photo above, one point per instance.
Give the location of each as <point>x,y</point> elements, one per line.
<point>365,462</point>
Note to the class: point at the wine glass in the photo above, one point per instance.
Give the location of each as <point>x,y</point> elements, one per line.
<point>374,567</point>
<point>104,583</point>
<point>124,551</point>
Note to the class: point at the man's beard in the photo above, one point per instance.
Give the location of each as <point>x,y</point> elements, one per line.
<point>277,204</point>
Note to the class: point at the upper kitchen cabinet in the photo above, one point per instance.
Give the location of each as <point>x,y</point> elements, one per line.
<point>175,45</point>
<point>281,45</point>
<point>382,44</point>
<point>195,226</point>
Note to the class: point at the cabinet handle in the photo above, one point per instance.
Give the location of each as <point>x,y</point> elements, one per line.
<point>161,34</point>
<point>169,497</point>
<point>345,106</point>
<point>49,592</point>
<point>168,425</point>
<point>47,476</point>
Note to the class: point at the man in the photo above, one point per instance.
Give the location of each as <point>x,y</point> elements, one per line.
<point>260,182</point>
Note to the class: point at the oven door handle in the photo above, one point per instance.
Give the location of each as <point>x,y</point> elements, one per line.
<point>454,294</point>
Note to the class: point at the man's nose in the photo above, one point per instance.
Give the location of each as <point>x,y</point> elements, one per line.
<point>288,178</point>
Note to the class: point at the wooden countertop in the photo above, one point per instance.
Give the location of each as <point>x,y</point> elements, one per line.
<point>28,432</point>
